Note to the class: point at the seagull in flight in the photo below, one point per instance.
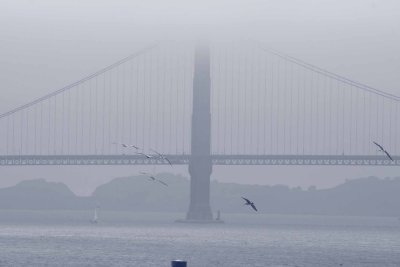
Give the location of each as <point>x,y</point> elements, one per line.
<point>161,182</point>
<point>126,145</point>
<point>383,150</point>
<point>153,179</point>
<point>146,155</point>
<point>161,156</point>
<point>248,202</point>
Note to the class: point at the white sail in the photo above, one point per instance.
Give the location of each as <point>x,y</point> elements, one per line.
<point>95,217</point>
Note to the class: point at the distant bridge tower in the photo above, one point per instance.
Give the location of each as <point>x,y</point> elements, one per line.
<point>200,164</point>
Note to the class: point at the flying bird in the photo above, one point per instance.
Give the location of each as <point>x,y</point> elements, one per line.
<point>146,155</point>
<point>383,150</point>
<point>248,202</point>
<point>161,182</point>
<point>125,145</point>
<point>161,156</point>
<point>153,179</point>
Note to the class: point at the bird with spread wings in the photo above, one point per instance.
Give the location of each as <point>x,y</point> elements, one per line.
<point>383,150</point>
<point>154,179</point>
<point>161,156</point>
<point>250,203</point>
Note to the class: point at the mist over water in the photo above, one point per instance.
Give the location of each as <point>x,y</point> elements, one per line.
<point>93,218</point>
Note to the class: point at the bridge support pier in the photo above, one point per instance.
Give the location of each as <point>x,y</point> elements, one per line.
<point>200,168</point>
<point>200,164</point>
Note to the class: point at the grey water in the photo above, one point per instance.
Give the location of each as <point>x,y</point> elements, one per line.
<point>67,238</point>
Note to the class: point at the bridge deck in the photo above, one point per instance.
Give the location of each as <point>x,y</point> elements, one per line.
<point>350,160</point>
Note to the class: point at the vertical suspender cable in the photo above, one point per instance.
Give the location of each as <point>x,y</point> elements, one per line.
<point>383,120</point>
<point>152,102</point>
<point>110,110</point>
<point>35,126</point>
<point>157,87</point>
<point>284,98</point>
<point>7,138</point>
<point>83,115</point>
<point>232,95</point>
<point>77,113</point>
<point>147,102</point>
<point>364,131</point>
<point>318,114</point>
<point>49,126</point>
<point>271,127</point>
<point>343,117</point>
<point>330,115</point>
<point>184,101</point>
<point>218,99</point>
<point>69,122</point>
<point>117,113</point>
<point>337,116</point>
<point>130,101</point>
<point>104,114</point>
<point>396,124</point>
<point>55,125</point>
<point>298,111</point>
<point>163,93</point>
<point>239,100</point>
<point>95,114</point>
<point>137,78</point>
<point>171,83</point>
<point>377,117</point>
<point>290,120</point>
<point>369,120</point>
<point>304,82</point>
<point>177,69</point>
<point>351,120</point>
<point>324,89</point>
<point>41,128</point>
<point>264,73</point>
<point>291,88</point>
<point>21,131</point>
<point>356,122</point>
<point>311,112</point>
<point>245,90</point>
<point>226,87</point>
<point>277,116</point>
<point>13,134</point>
<point>258,99</point>
<point>122,71</point>
<point>250,72</point>
<point>390,122</point>
<point>63,123</point>
<point>27,136</point>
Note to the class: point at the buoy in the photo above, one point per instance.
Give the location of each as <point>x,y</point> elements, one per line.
<point>178,263</point>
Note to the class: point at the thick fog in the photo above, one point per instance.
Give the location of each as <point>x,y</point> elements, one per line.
<point>45,45</point>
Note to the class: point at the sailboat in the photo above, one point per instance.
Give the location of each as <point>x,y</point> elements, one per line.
<point>95,217</point>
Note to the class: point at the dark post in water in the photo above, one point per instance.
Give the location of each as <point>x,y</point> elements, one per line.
<point>178,263</point>
<point>200,165</point>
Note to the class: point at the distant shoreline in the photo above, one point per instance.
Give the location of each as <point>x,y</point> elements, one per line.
<point>367,197</point>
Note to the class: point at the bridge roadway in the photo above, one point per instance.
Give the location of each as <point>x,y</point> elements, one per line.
<point>347,160</point>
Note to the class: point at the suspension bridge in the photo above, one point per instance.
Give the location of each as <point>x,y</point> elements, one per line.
<point>217,104</point>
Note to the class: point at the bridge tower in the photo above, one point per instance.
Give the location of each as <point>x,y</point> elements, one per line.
<point>200,164</point>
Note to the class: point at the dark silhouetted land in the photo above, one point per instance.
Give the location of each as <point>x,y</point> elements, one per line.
<point>359,197</point>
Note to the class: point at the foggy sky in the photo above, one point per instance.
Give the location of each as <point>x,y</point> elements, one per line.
<point>45,45</point>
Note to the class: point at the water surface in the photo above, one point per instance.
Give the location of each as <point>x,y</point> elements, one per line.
<point>62,238</point>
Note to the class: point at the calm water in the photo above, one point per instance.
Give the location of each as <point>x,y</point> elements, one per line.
<point>124,239</point>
